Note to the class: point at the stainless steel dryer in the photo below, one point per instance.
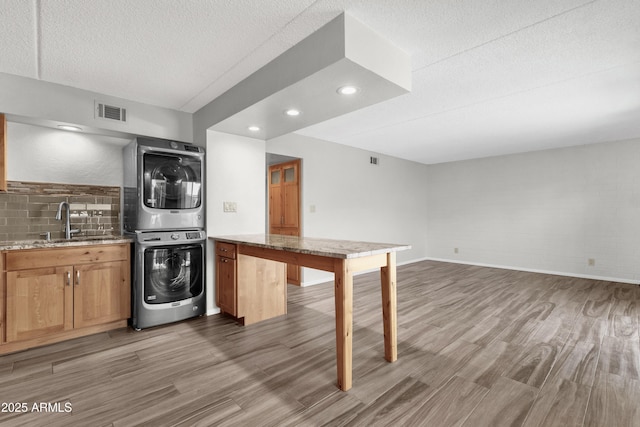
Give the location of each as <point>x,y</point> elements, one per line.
<point>163,185</point>
<point>169,277</point>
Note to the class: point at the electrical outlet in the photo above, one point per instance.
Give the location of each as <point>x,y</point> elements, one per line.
<point>592,262</point>
<point>312,208</point>
<point>455,250</point>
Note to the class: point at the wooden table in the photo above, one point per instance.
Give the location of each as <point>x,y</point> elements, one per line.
<point>343,258</point>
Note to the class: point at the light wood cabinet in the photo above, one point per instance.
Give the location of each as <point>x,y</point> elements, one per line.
<point>39,302</point>
<point>3,305</point>
<point>101,293</point>
<point>60,293</point>
<point>248,288</point>
<point>226,278</point>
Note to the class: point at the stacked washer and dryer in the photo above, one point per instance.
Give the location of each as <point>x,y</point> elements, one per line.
<point>163,210</point>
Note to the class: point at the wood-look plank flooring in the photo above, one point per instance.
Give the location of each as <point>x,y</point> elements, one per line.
<point>476,347</point>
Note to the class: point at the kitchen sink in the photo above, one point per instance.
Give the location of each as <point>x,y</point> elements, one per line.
<point>75,241</point>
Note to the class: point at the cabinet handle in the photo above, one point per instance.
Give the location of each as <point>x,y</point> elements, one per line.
<point>68,278</point>
<point>77,277</point>
<point>224,260</point>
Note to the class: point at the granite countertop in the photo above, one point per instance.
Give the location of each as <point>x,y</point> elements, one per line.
<point>59,243</point>
<point>313,246</point>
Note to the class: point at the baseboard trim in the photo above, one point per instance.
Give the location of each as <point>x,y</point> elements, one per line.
<point>316,282</point>
<point>533,270</point>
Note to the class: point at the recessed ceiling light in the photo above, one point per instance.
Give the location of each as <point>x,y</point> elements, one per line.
<point>69,127</point>
<point>347,90</point>
<point>292,112</point>
<point>254,128</point>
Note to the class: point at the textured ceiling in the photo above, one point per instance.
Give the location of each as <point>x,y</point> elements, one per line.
<point>489,77</point>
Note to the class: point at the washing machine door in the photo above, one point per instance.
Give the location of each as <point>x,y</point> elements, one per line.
<point>172,273</point>
<point>172,181</point>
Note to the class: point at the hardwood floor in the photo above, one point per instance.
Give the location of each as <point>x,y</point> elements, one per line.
<point>476,347</point>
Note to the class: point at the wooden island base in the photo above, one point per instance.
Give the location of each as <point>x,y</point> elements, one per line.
<point>343,258</point>
<point>247,288</point>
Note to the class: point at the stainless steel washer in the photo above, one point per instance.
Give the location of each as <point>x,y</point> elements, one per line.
<point>168,277</point>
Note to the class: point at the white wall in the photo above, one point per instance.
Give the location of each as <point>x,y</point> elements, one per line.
<point>545,211</point>
<point>40,154</point>
<point>45,102</point>
<point>236,172</point>
<point>355,200</point>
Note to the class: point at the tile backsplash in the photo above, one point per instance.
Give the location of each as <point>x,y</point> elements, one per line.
<point>28,209</point>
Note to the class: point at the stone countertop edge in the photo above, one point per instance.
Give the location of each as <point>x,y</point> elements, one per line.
<point>62,243</point>
<point>328,251</point>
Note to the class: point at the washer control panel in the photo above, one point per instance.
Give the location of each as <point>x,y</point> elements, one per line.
<point>159,236</point>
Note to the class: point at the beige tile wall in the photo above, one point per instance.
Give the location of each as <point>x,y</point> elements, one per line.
<point>27,210</point>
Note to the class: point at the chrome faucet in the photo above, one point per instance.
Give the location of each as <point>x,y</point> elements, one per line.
<point>67,228</point>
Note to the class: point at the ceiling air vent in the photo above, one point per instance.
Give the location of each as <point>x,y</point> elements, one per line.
<point>110,112</point>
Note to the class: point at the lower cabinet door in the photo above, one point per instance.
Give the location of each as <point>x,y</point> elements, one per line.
<point>226,285</point>
<point>39,302</point>
<point>101,293</point>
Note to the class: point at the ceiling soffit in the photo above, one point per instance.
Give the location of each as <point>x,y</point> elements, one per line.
<point>306,77</point>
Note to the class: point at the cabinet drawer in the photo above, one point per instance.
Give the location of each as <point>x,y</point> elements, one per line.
<point>227,250</point>
<point>55,257</point>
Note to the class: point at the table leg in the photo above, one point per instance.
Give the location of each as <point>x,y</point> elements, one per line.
<point>344,322</point>
<point>389,310</point>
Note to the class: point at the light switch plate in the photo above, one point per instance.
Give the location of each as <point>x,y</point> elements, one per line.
<point>229,206</point>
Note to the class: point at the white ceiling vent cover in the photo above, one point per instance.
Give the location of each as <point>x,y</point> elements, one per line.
<point>110,112</point>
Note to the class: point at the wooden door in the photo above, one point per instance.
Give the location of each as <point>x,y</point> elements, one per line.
<point>39,302</point>
<point>291,197</point>
<point>284,206</point>
<point>100,293</point>
<point>276,197</point>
